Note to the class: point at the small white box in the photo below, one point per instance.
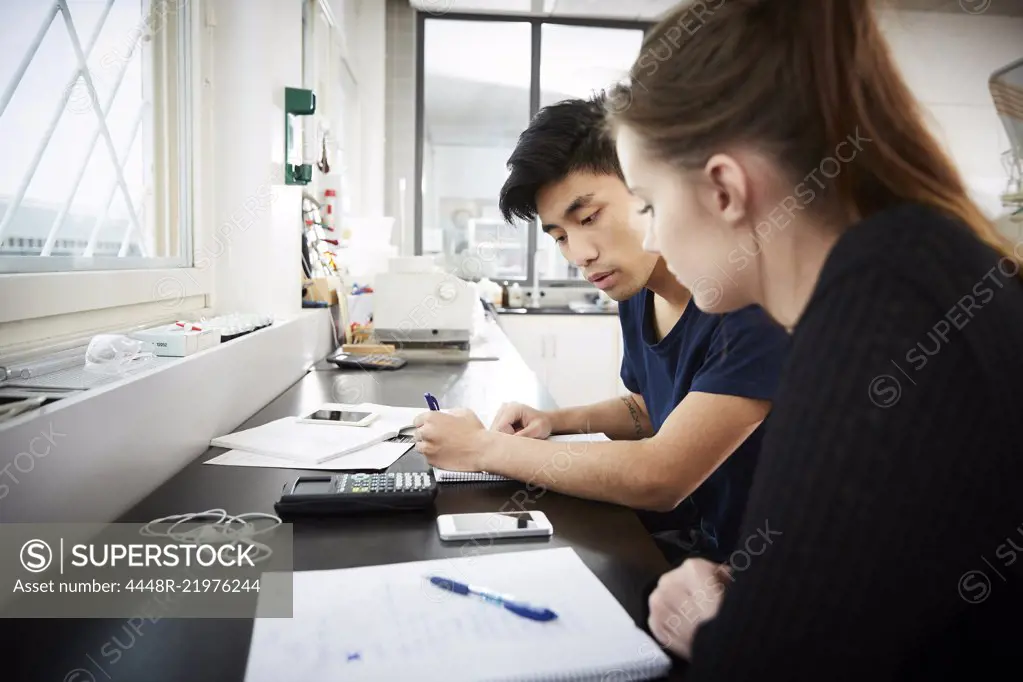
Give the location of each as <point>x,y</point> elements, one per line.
<point>177,342</point>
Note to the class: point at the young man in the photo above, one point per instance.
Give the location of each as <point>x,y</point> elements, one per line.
<point>685,440</point>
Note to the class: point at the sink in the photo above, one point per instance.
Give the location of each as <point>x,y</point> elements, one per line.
<point>586,307</point>
<point>580,307</point>
<point>575,307</point>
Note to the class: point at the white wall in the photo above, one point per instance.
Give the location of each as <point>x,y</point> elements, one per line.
<point>254,248</point>
<point>366,39</point>
<point>947,60</point>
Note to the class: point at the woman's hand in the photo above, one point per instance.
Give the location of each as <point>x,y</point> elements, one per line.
<point>684,599</point>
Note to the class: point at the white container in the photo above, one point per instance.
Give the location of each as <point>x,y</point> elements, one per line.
<point>516,296</point>
<point>490,290</point>
<point>176,342</point>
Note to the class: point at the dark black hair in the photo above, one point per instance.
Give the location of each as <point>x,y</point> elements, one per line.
<point>562,138</point>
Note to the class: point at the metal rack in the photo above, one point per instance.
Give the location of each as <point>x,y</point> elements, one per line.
<point>319,258</point>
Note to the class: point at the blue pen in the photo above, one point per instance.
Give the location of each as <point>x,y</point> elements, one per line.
<point>513,605</point>
<point>431,402</point>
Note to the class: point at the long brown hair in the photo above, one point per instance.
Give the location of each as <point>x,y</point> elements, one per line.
<point>795,78</point>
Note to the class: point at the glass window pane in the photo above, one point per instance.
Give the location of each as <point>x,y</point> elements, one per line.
<point>476,102</point>
<point>578,61</point>
<point>59,187</point>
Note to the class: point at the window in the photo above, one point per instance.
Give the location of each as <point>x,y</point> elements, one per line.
<point>482,80</point>
<point>93,116</point>
<point>570,66</point>
<point>476,90</point>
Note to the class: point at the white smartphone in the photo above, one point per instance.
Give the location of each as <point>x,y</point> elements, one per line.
<point>494,525</point>
<point>339,417</point>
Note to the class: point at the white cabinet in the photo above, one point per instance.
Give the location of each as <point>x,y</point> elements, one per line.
<point>577,357</point>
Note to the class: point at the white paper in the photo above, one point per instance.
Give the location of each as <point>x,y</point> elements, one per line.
<point>389,623</point>
<point>579,438</point>
<point>379,456</point>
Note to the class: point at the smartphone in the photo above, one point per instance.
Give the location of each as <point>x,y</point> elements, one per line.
<point>494,525</point>
<point>339,417</point>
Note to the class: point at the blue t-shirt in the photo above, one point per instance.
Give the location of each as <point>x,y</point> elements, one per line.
<point>739,353</point>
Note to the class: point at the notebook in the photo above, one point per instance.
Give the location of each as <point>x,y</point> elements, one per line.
<point>389,623</point>
<point>316,443</point>
<point>449,476</point>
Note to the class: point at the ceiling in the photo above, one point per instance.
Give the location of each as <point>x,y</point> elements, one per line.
<point>648,10</point>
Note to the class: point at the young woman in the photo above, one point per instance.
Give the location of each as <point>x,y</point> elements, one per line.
<point>781,160</point>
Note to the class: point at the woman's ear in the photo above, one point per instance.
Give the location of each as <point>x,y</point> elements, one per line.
<point>730,186</point>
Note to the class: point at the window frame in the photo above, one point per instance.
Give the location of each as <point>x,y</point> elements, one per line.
<point>536,30</point>
<point>43,290</point>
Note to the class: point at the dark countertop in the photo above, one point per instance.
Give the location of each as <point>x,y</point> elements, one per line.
<point>610,539</point>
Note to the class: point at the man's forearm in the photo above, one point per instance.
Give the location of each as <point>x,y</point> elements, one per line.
<point>602,471</point>
<point>619,418</point>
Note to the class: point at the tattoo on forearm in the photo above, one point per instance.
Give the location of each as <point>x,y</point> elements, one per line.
<point>634,411</point>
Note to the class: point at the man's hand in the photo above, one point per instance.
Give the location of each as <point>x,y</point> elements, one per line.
<point>452,440</point>
<point>522,420</point>
<point>684,599</point>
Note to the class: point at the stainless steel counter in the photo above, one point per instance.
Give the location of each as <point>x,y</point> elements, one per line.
<point>557,310</point>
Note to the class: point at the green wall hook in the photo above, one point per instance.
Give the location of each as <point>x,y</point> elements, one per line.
<point>297,102</point>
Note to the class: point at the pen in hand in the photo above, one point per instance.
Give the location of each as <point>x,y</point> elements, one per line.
<point>431,402</point>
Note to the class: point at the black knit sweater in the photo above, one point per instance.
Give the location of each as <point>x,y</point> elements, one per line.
<point>891,475</point>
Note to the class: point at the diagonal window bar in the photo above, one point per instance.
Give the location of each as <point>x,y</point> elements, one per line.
<point>98,224</point>
<point>19,196</point>
<point>101,218</point>
<point>103,129</point>
<point>62,215</point>
<point>19,73</point>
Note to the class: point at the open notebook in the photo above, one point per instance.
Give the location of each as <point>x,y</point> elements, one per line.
<point>448,476</point>
<point>389,623</point>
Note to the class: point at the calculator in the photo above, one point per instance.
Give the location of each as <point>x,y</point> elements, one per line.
<point>372,361</point>
<point>354,492</point>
